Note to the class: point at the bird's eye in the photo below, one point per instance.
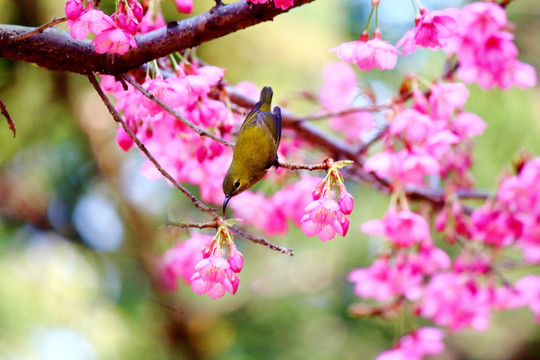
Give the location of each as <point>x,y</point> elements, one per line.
<point>237,184</point>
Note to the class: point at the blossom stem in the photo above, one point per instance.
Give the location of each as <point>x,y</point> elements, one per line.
<point>369,18</point>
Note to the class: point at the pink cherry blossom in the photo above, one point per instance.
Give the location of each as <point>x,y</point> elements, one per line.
<point>323,219</point>
<point>414,346</point>
<point>213,277</point>
<point>414,126</point>
<point>260,211</point>
<point>446,98</point>
<point>485,49</point>
<point>114,41</point>
<point>455,301</point>
<point>282,4</point>
<point>180,260</point>
<point>403,228</point>
<point>184,6</point>
<point>92,20</point>
<point>528,289</point>
<point>74,9</point>
<point>369,53</point>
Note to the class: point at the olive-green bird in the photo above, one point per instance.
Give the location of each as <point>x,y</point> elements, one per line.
<point>255,150</point>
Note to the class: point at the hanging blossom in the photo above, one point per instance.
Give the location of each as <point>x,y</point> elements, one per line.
<point>325,216</point>
<point>432,31</point>
<point>114,34</point>
<point>367,54</point>
<point>217,272</point>
<point>179,261</point>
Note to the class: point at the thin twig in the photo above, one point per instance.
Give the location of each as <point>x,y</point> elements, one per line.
<point>171,111</point>
<point>326,114</point>
<point>40,29</point>
<point>10,122</point>
<point>198,204</point>
<point>184,225</point>
<point>260,241</point>
<point>290,166</point>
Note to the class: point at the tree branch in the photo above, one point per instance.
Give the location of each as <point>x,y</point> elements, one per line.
<point>54,49</point>
<point>11,124</point>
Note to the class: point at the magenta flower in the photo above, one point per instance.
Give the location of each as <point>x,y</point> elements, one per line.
<point>431,31</point>
<point>180,261</point>
<point>213,277</point>
<point>414,346</point>
<point>184,6</point>
<point>282,4</point>
<point>114,41</point>
<point>404,228</point>
<point>322,219</point>
<point>92,20</point>
<point>453,300</point>
<point>369,53</point>
<point>73,9</point>
<point>414,126</point>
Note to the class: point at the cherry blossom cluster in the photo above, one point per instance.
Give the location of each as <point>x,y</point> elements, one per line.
<point>182,152</point>
<point>210,264</point>
<point>513,218</point>
<point>477,34</point>
<point>114,34</point>
<point>429,138</point>
<point>485,48</point>
<point>326,217</point>
<point>280,4</point>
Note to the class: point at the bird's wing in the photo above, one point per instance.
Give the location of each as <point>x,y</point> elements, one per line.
<point>277,124</point>
<point>251,116</point>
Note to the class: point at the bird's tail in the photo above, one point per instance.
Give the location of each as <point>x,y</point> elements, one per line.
<point>266,98</point>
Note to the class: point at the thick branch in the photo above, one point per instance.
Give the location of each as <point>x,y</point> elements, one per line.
<point>54,49</point>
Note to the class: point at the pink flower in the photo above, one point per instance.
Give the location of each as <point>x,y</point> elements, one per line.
<point>345,201</point>
<point>123,139</point>
<point>369,53</point>
<point>73,9</point>
<point>385,280</point>
<point>184,6</point>
<point>324,219</point>
<point>283,4</point>
<point>292,199</point>
<point>92,20</point>
<point>180,261</point>
<point>467,125</point>
<point>414,126</point>
<point>422,342</point>
<point>433,28</point>
<point>404,228</point>
<point>114,41</point>
<point>340,87</point>
<point>528,289</point>
<point>452,300</point>
<point>259,211</point>
<point>446,98</point>
<point>494,227</point>
<point>214,277</point>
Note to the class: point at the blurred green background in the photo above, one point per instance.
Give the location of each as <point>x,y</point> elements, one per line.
<point>80,227</point>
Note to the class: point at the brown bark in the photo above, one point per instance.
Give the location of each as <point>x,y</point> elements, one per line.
<point>54,49</point>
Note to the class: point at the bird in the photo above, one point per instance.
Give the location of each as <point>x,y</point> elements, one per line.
<point>255,150</point>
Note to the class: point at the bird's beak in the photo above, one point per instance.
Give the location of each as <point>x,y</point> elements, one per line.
<point>225,202</point>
